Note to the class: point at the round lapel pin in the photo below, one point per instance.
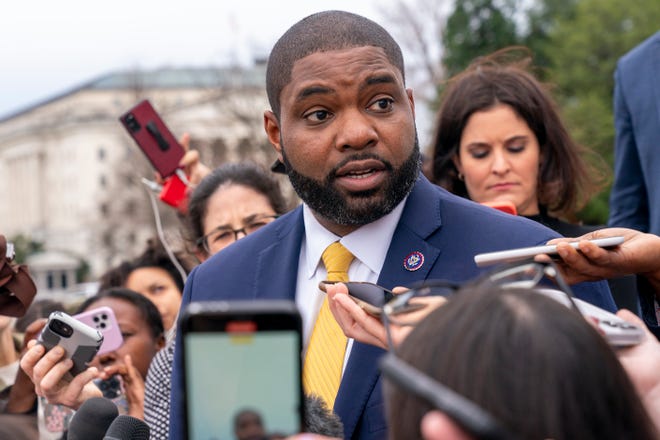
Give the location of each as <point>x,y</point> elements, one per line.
<point>413,261</point>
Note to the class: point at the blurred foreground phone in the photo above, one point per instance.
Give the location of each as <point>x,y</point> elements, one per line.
<point>153,137</point>
<point>242,356</point>
<point>80,341</point>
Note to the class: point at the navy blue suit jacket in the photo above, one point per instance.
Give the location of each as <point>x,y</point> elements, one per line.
<point>446,229</point>
<point>635,196</point>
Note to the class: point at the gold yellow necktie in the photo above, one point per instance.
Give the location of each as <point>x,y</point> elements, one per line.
<point>327,346</point>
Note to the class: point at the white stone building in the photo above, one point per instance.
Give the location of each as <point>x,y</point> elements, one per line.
<point>70,174</point>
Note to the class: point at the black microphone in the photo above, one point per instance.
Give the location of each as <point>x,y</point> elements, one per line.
<point>92,419</point>
<point>127,428</point>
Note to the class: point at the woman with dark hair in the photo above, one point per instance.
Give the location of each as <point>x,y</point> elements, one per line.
<point>500,141</point>
<point>154,275</point>
<point>236,198</point>
<point>538,368</point>
<point>499,138</point>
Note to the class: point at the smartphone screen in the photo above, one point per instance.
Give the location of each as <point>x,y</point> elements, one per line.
<point>243,367</point>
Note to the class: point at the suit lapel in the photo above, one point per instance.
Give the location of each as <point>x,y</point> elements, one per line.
<point>420,218</point>
<point>277,263</point>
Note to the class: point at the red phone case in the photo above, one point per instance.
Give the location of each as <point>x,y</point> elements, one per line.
<point>153,137</point>
<point>103,319</point>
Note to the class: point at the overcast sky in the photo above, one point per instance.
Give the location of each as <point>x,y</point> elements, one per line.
<point>49,47</point>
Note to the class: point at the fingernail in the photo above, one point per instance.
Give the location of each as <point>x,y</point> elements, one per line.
<point>59,351</point>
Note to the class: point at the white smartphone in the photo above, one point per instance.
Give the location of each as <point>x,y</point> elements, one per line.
<point>512,255</point>
<point>618,332</point>
<point>79,341</point>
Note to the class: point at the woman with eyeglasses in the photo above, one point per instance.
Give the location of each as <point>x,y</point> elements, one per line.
<point>234,200</point>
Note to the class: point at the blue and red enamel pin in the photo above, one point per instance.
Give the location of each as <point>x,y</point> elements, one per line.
<point>413,261</point>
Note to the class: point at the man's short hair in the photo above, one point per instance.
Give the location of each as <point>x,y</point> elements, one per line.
<point>321,32</point>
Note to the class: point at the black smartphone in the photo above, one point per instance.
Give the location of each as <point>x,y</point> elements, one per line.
<point>372,297</point>
<point>79,341</point>
<point>242,358</point>
<point>153,137</point>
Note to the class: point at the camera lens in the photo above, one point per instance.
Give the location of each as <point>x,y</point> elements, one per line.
<point>61,328</point>
<point>132,123</point>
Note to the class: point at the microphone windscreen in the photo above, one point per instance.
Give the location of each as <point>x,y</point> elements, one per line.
<point>127,428</point>
<point>92,419</point>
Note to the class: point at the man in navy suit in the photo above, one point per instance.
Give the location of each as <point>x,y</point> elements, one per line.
<point>635,196</point>
<point>342,124</point>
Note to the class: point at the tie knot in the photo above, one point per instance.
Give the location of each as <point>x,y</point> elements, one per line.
<point>337,259</point>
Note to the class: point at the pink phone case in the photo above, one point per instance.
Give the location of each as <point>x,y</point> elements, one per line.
<point>103,319</point>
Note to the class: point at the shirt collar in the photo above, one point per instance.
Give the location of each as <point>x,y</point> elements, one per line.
<point>369,243</point>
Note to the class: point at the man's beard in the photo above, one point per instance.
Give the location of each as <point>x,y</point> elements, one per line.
<point>358,208</point>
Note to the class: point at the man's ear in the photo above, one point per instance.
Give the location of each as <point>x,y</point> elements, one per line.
<point>272,127</point>
<point>411,100</point>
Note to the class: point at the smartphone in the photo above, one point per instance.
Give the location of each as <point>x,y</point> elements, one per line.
<point>249,353</point>
<point>372,297</point>
<point>153,137</point>
<point>512,255</point>
<point>617,331</point>
<point>103,319</point>
<point>80,341</point>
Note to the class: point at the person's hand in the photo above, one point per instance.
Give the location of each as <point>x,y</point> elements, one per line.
<point>363,327</point>
<point>194,169</point>
<point>638,254</point>
<point>22,394</point>
<point>642,363</point>
<point>435,425</point>
<point>49,373</point>
<point>133,385</point>
<point>353,320</point>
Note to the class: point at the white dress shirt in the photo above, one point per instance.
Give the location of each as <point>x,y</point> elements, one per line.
<point>369,245</point>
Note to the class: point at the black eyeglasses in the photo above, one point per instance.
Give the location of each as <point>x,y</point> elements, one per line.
<point>428,296</point>
<point>224,236</point>
<point>425,297</point>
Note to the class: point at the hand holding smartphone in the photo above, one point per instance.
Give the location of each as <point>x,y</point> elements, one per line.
<point>616,331</point>
<point>153,137</point>
<point>372,297</point>
<point>513,255</point>
<point>79,341</point>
